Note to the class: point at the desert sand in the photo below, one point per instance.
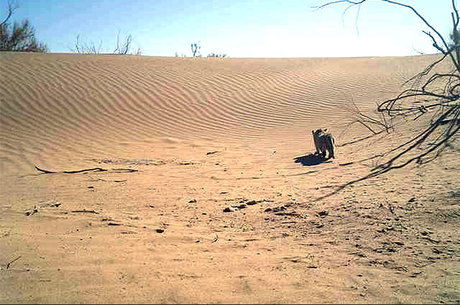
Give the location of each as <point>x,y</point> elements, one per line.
<point>176,142</point>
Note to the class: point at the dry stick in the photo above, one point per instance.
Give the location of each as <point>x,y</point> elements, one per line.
<point>72,172</point>
<point>85,211</point>
<point>9,264</point>
<point>98,169</point>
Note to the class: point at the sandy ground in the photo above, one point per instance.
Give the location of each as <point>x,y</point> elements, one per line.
<point>180,141</point>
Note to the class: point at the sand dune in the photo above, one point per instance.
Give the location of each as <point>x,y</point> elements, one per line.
<point>204,134</point>
<point>50,102</point>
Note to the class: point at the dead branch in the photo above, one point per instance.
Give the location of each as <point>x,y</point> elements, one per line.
<point>95,169</point>
<point>340,1</point>
<point>125,47</point>
<point>430,93</point>
<point>11,8</point>
<point>390,165</point>
<point>85,211</point>
<point>86,48</point>
<point>439,42</point>
<point>9,264</point>
<point>98,169</point>
<point>122,47</point>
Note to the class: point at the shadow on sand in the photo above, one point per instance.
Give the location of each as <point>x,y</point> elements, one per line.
<point>311,159</point>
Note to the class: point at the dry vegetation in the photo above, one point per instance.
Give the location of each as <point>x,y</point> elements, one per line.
<point>131,179</point>
<point>164,180</point>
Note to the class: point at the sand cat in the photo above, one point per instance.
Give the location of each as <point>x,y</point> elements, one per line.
<point>323,142</point>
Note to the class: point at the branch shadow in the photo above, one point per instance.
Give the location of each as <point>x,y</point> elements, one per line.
<point>310,159</point>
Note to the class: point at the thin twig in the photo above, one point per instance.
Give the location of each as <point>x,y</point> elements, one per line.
<point>95,169</point>
<point>71,172</point>
<point>85,211</point>
<point>9,264</point>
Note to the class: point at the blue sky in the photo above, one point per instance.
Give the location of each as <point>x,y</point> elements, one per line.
<point>238,28</point>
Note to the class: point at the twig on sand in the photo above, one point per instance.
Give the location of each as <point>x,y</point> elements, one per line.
<point>98,169</point>
<point>215,239</point>
<point>95,169</point>
<point>9,264</point>
<point>85,211</point>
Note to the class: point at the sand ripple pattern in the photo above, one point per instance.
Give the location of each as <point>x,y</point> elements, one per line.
<point>68,103</point>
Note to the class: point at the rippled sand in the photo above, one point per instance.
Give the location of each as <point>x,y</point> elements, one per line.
<point>162,146</point>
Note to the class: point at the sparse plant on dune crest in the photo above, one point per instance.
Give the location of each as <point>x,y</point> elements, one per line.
<point>123,47</point>
<point>219,55</point>
<point>195,49</point>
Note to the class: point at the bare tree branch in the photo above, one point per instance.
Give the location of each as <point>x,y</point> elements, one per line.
<point>432,92</point>
<point>340,1</point>
<point>11,8</point>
